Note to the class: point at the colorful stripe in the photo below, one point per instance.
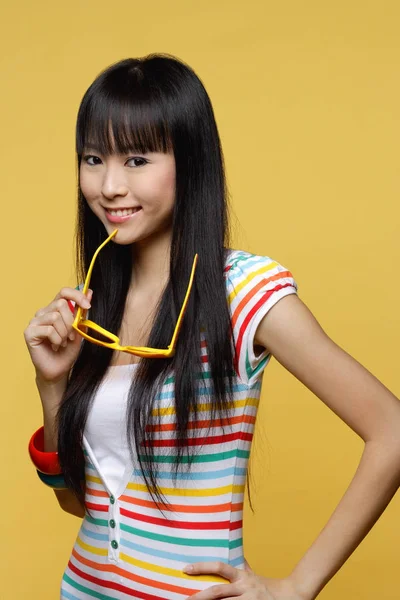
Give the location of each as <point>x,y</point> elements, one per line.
<point>128,547</point>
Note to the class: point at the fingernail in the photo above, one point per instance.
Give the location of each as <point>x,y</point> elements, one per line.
<point>55,348</point>
<point>86,304</point>
<point>64,343</point>
<point>188,568</point>
<point>71,336</point>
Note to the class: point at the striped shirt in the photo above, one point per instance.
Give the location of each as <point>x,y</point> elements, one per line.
<point>127,549</point>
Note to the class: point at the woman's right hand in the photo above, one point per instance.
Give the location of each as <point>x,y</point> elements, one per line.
<point>48,336</point>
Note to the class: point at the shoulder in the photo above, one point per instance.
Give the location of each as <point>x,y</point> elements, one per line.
<point>245,270</point>
<point>254,284</point>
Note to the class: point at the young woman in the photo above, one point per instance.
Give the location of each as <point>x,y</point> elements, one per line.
<point>148,439</point>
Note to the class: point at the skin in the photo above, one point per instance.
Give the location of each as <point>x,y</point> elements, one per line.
<point>294,337</point>
<point>128,180</point>
<point>289,332</point>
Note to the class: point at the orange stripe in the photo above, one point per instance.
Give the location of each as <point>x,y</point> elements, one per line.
<point>93,492</point>
<point>185,509</point>
<point>139,579</point>
<point>253,292</point>
<point>204,423</point>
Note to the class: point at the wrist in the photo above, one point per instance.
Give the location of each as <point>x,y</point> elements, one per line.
<point>45,462</point>
<point>50,384</point>
<point>300,587</point>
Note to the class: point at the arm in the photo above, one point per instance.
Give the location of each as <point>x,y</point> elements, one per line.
<point>291,333</point>
<point>50,395</point>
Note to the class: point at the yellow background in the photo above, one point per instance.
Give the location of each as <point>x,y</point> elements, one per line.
<point>307,99</point>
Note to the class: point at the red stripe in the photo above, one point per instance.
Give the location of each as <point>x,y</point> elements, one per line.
<point>113,586</point>
<point>178,524</point>
<point>98,507</point>
<point>152,583</point>
<point>205,423</point>
<point>253,291</point>
<point>250,315</point>
<point>207,441</point>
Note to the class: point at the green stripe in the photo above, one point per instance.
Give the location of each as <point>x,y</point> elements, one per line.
<point>175,540</point>
<point>86,590</point>
<point>199,459</point>
<point>102,522</point>
<point>153,536</point>
<point>261,365</point>
<point>205,375</point>
<point>249,370</point>
<point>238,259</point>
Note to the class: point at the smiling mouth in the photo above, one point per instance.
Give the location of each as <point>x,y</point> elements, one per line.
<point>122,212</point>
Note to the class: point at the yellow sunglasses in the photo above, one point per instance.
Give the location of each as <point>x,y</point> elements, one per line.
<point>143,351</point>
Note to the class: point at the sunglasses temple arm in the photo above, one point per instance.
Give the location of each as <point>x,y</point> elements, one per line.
<point>89,274</point>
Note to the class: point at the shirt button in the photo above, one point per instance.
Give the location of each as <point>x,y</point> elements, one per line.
<point>112,523</point>
<point>112,499</point>
<point>114,544</point>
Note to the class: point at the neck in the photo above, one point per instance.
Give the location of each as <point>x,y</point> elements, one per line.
<point>150,263</point>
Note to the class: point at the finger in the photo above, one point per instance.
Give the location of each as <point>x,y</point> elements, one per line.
<point>55,320</point>
<point>217,568</point>
<point>39,333</point>
<point>224,590</point>
<point>67,317</point>
<point>77,296</point>
<point>71,298</point>
<point>46,316</point>
<point>72,303</point>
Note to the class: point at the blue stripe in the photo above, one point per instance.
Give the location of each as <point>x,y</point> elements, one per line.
<point>240,387</point>
<point>68,595</point>
<point>168,555</point>
<point>236,471</point>
<point>237,561</point>
<point>95,536</point>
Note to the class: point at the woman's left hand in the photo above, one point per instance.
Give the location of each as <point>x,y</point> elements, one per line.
<point>244,584</point>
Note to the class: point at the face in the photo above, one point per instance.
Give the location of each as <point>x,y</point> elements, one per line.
<point>144,182</point>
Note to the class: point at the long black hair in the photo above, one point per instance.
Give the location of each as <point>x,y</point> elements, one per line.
<point>154,104</point>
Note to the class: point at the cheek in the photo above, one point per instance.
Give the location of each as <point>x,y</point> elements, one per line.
<point>88,187</point>
<point>160,191</point>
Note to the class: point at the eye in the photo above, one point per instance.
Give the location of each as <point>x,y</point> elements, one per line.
<point>90,157</point>
<point>137,158</point>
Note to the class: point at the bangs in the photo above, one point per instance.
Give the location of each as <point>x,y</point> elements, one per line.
<point>111,125</point>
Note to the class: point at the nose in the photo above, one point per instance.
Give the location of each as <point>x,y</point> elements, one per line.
<point>114,183</point>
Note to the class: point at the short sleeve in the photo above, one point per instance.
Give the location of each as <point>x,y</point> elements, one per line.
<point>254,285</point>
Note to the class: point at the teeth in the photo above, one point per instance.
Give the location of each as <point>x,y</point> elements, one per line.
<point>122,213</point>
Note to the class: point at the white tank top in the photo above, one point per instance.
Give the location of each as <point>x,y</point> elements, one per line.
<point>105,430</point>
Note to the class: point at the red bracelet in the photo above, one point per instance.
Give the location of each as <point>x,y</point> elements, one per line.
<point>45,462</point>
